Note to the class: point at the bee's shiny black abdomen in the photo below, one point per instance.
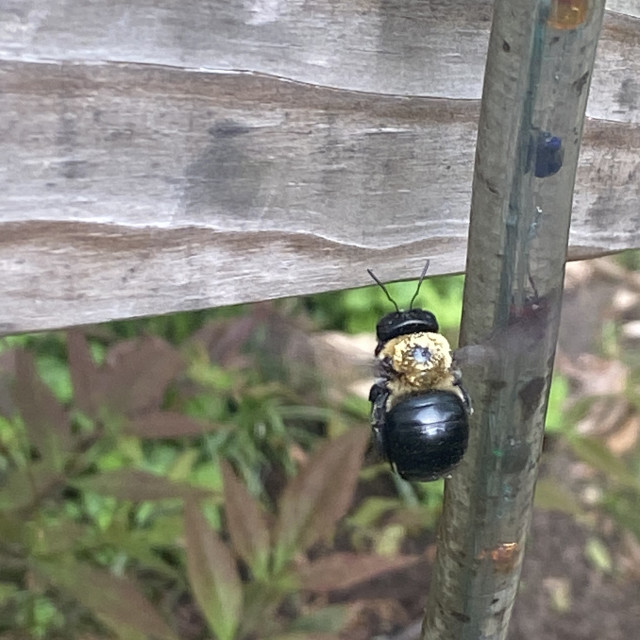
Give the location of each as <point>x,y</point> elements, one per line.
<point>426,435</point>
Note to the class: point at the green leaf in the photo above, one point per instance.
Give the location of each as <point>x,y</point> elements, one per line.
<point>182,466</point>
<point>556,420</point>
<point>47,537</point>
<point>371,510</point>
<point>329,619</point>
<point>599,555</point>
<point>623,506</point>
<point>54,372</point>
<point>7,590</point>
<point>24,486</point>
<point>554,496</point>
<point>212,574</point>
<point>319,495</point>
<point>11,526</point>
<point>596,454</point>
<point>559,592</point>
<point>305,635</point>
<point>116,601</point>
<point>141,543</point>
<point>247,524</point>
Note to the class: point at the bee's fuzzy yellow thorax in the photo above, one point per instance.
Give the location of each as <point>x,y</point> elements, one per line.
<point>420,360</point>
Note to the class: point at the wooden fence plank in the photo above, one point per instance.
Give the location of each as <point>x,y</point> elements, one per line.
<point>164,156</point>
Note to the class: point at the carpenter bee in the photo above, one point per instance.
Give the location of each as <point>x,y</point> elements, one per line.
<point>419,409</point>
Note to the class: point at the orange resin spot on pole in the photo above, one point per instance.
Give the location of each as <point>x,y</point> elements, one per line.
<point>568,14</point>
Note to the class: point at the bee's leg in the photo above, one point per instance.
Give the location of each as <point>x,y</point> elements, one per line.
<point>466,399</point>
<point>384,368</point>
<point>378,396</point>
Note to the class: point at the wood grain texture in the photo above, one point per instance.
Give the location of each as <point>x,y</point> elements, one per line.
<point>160,156</point>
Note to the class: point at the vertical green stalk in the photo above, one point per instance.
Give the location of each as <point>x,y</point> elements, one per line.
<point>539,67</point>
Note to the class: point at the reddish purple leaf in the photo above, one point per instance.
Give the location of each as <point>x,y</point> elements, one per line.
<point>320,494</point>
<point>247,523</point>
<point>44,417</point>
<point>168,424</point>
<point>137,373</point>
<point>116,601</point>
<point>7,373</point>
<point>212,574</point>
<point>84,372</point>
<point>136,485</point>
<point>224,339</point>
<point>344,570</point>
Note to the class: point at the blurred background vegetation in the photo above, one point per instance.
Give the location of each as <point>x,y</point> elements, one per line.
<point>208,474</point>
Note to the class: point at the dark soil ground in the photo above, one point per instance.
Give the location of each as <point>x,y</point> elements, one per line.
<point>597,606</point>
<point>562,596</point>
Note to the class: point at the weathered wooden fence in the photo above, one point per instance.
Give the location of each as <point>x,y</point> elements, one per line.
<point>168,155</point>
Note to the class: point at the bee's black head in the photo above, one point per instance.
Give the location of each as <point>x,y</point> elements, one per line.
<point>402,323</point>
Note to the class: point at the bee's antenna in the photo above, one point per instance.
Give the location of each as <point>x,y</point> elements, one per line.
<point>391,300</point>
<point>422,275</point>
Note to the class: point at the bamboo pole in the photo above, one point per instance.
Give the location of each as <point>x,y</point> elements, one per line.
<point>539,66</point>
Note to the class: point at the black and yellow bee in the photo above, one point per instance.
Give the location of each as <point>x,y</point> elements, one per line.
<point>420,411</point>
